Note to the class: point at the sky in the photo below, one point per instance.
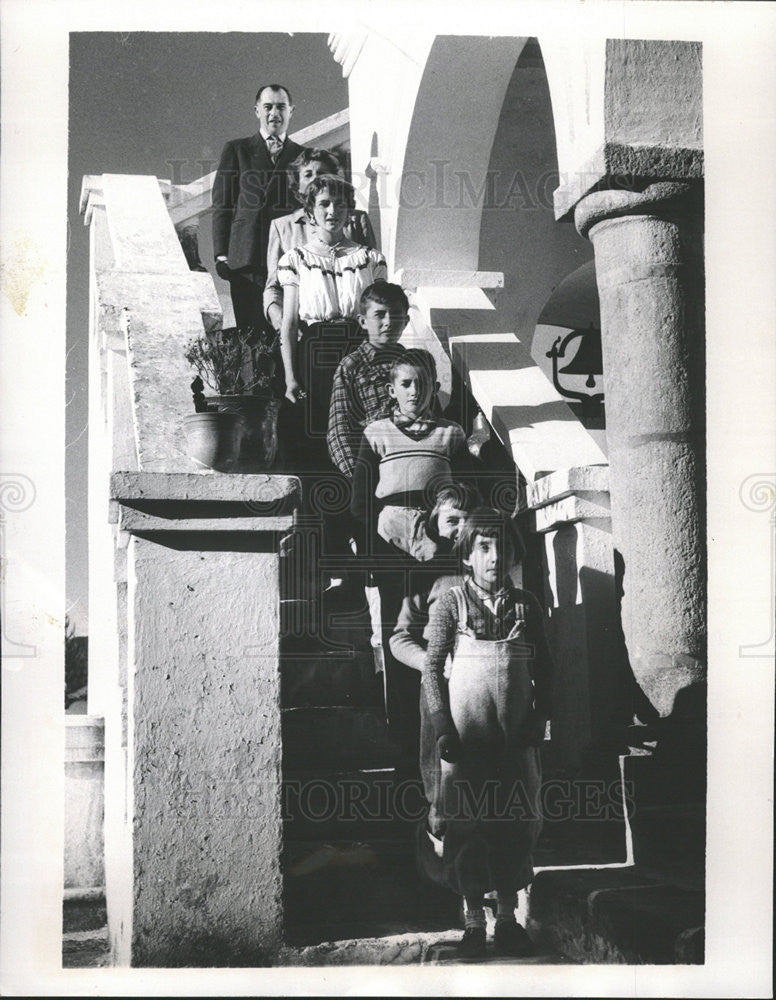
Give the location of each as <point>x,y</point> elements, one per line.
<point>161,103</point>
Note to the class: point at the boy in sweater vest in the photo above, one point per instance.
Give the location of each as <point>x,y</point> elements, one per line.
<point>405,458</point>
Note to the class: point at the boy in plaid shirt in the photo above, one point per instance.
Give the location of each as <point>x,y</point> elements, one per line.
<point>360,389</point>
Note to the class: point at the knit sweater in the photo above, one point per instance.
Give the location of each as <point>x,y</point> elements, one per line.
<point>404,469</point>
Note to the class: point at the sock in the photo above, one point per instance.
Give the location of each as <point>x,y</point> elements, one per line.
<point>473,913</point>
<point>505,903</point>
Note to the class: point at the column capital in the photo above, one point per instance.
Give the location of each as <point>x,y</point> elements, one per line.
<point>663,198</point>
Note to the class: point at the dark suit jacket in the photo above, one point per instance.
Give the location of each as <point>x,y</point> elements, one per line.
<point>248,193</point>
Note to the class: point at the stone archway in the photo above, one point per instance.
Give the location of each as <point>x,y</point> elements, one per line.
<point>448,146</point>
<point>478,182</point>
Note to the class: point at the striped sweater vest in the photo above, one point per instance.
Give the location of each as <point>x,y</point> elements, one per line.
<point>409,464</point>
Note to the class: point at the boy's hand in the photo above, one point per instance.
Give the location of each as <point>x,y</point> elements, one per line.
<point>294,392</point>
<point>223,270</point>
<point>449,747</point>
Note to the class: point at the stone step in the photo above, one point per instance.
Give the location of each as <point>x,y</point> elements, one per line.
<point>350,889</point>
<point>617,915</point>
<point>669,793</point>
<point>328,621</point>
<point>83,909</point>
<point>430,948</point>
<point>444,952</point>
<point>338,738</point>
<point>575,842</point>
<point>86,949</point>
<point>382,803</point>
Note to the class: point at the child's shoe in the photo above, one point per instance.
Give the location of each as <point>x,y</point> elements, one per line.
<point>472,944</point>
<point>511,938</point>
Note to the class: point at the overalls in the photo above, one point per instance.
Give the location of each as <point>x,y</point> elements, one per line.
<point>485,807</point>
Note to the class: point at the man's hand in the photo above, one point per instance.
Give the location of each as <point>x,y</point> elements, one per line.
<point>449,747</point>
<point>223,270</point>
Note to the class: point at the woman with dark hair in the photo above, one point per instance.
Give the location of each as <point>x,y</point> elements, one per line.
<point>293,230</point>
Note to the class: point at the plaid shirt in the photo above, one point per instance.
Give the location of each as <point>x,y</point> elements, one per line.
<point>359,395</point>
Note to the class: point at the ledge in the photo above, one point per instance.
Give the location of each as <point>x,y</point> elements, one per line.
<point>142,502</point>
<point>202,486</point>
<point>136,522</point>
<point>421,277</point>
<point>93,193</point>
<point>571,510</point>
<point>567,482</point>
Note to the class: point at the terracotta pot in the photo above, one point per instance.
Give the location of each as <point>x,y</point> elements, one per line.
<point>260,438</point>
<point>214,439</point>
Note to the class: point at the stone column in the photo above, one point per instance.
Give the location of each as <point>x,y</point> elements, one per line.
<point>649,264</point>
<point>84,783</point>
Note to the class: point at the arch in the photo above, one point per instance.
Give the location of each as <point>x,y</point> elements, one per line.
<point>453,127</point>
<point>482,200</point>
<point>519,234</point>
<point>479,174</point>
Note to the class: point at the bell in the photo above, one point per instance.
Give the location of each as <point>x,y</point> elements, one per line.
<point>588,359</point>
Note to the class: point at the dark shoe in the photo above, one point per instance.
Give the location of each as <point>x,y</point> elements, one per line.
<point>511,938</point>
<point>472,944</point>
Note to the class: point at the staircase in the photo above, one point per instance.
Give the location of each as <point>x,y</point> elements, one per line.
<point>349,801</point>
<point>84,929</point>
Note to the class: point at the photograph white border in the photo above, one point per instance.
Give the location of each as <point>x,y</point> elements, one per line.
<point>740,147</point>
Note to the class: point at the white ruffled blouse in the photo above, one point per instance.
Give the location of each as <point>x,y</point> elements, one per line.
<point>330,283</point>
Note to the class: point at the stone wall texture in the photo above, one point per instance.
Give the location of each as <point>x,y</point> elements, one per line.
<point>205,709</point>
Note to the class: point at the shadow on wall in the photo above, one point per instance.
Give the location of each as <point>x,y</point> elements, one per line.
<point>643,709</point>
<point>594,700</point>
<point>519,235</point>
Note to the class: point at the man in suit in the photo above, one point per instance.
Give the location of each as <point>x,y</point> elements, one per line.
<point>250,190</point>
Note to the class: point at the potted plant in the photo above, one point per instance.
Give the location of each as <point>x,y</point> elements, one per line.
<point>235,429</point>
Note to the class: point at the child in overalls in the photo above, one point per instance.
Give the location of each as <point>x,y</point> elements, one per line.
<point>488,713</point>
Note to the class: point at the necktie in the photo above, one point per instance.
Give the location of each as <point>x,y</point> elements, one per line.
<point>274,147</point>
